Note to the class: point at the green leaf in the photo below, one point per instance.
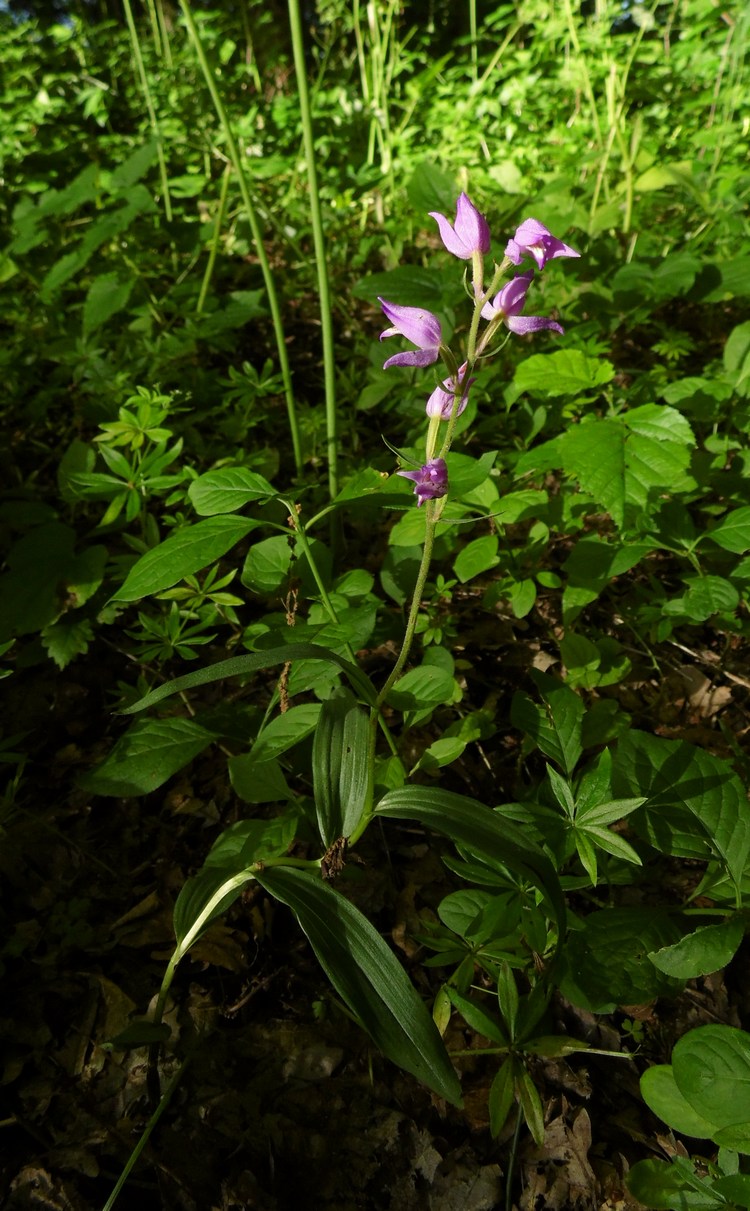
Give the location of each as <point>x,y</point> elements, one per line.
<point>555,725</point>
<point>106,295</point>
<point>608,958</point>
<point>665,1187</point>
<point>676,778</point>
<point>706,596</point>
<point>711,1067</point>
<point>531,1105</point>
<point>660,1093</point>
<point>341,766</point>
<point>267,565</point>
<point>501,1096</point>
<point>425,686</point>
<point>476,1018</point>
<point>203,898</point>
<point>478,556</point>
<point>702,952</point>
<point>227,490</point>
<point>733,531</point>
<point>565,372</point>
<point>182,554</point>
<point>257,781</point>
<point>367,976</point>
<point>286,730</point>
<point>146,756</point>
<point>243,666</point>
<point>476,826</point>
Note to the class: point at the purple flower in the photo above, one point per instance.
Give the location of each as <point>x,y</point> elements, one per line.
<point>510,301</point>
<point>532,237</point>
<point>469,233</point>
<point>420,327</point>
<point>430,481</point>
<point>440,402</point>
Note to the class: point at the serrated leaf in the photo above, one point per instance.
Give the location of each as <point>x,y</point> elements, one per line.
<point>733,531</point>
<point>146,756</point>
<point>182,554</point>
<point>228,489</point>
<point>367,976</point>
<point>564,372</point>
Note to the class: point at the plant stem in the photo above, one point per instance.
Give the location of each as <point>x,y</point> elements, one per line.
<point>239,169</point>
<point>150,107</point>
<point>321,264</point>
<point>164,1101</point>
<point>215,241</point>
<point>431,520</point>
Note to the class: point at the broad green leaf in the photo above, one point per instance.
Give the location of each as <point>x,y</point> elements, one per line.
<point>146,756</point>
<point>407,285</point>
<point>341,761</point>
<point>711,1067</point>
<point>733,531</point>
<point>45,577</point>
<point>676,775</point>
<point>594,454</point>
<point>182,554</point>
<point>267,565</point>
<point>565,372</point>
<point>465,474</point>
<point>256,780</point>
<point>556,724</point>
<point>735,1186</point>
<point>367,976</point>
<point>227,490</point>
<point>286,730</point>
<point>608,961</point>
<point>478,556</point>
<point>666,1186</point>
<point>106,295</point>
<point>425,686</point>
<point>702,952</point>
<point>243,666</point>
<point>706,596</point>
<point>660,1093</point>
<point>477,827</point>
<point>249,841</point>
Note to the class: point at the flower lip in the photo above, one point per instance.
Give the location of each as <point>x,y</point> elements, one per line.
<point>419,326</point>
<point>534,239</point>
<point>510,301</point>
<point>430,481</point>
<point>469,233</point>
<point>441,401</point>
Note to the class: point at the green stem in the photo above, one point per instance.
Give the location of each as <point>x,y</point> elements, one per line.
<point>150,107</point>
<point>431,518</point>
<point>321,264</point>
<point>216,239</point>
<point>239,169</point>
<point>164,1101</point>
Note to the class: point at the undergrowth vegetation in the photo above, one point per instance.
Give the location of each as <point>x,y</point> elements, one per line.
<point>492,593</point>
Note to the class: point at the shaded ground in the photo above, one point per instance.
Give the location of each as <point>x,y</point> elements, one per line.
<point>283,1103</point>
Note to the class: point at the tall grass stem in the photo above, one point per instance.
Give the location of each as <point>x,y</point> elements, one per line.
<point>321,262</point>
<point>239,169</point>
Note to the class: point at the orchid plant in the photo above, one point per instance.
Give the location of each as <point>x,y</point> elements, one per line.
<point>469,239</point>
<point>347,794</point>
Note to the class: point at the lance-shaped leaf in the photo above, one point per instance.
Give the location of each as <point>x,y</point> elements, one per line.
<point>340,766</point>
<point>367,976</point>
<point>485,833</point>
